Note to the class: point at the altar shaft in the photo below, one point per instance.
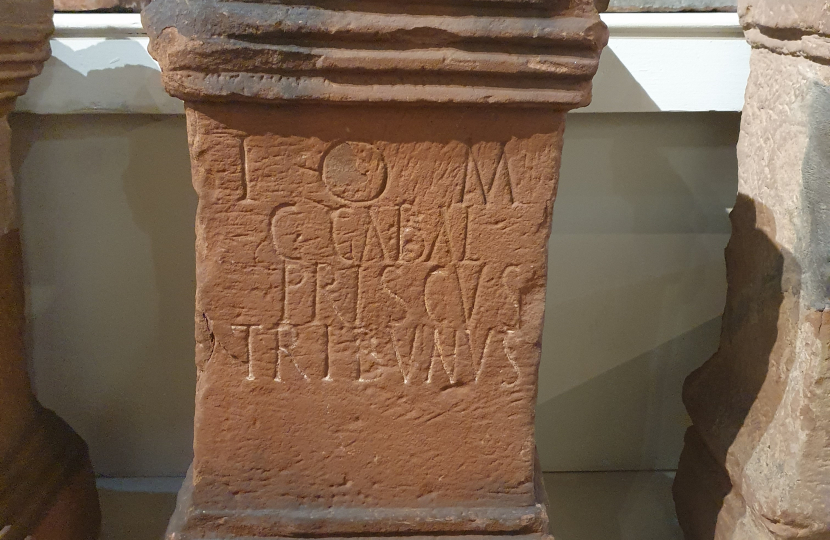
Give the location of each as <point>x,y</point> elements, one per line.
<point>376,185</point>
<point>369,314</point>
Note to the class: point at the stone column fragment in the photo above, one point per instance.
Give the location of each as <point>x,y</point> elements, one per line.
<point>756,464</point>
<point>100,5</point>
<point>670,6</point>
<point>47,488</point>
<point>376,182</point>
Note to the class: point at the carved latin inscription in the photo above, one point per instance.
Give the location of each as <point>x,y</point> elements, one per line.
<point>371,260</point>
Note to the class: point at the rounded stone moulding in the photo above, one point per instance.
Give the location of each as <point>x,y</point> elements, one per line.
<point>511,52</point>
<point>25,27</point>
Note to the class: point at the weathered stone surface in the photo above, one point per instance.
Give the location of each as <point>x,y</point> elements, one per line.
<point>94,5</point>
<point>371,287</point>
<point>757,461</point>
<point>47,487</point>
<point>375,187</point>
<point>791,28</point>
<point>545,53</point>
<point>613,6</point>
<point>671,5</point>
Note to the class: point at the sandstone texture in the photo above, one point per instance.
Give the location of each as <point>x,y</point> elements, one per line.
<point>102,5</point>
<point>614,6</point>
<point>369,310</point>
<point>452,52</point>
<point>376,187</point>
<point>756,464</point>
<point>670,5</point>
<point>47,488</point>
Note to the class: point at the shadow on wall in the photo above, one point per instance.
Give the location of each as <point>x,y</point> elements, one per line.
<point>611,506</point>
<point>634,408</point>
<point>68,85</point>
<point>108,210</point>
<point>722,393</point>
<point>636,285</point>
<point>107,222</point>
<point>615,88</point>
<point>163,203</point>
<point>134,515</point>
<point>635,289</point>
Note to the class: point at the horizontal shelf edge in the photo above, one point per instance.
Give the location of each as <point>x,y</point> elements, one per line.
<point>655,62</point>
<point>114,25</point>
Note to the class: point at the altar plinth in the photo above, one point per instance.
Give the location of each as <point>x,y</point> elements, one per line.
<point>756,465</point>
<point>47,487</point>
<point>376,182</point>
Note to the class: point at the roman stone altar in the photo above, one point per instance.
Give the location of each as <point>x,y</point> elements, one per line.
<point>376,181</point>
<point>756,464</point>
<point>47,488</point>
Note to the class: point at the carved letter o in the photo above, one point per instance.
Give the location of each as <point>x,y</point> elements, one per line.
<point>355,171</point>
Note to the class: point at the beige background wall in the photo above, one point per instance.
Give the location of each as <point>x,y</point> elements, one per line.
<point>635,291</point>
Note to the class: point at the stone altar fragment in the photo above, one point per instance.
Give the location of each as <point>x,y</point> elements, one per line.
<point>756,464</point>
<point>376,181</point>
<point>103,5</point>
<point>47,488</point>
<point>638,6</point>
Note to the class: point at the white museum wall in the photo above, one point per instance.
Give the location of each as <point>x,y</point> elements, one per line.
<point>635,291</point>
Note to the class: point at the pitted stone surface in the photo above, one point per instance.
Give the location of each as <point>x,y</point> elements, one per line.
<point>792,28</point>
<point>24,47</point>
<point>102,5</point>
<point>487,52</point>
<point>376,187</point>
<point>369,314</point>
<point>646,6</point>
<point>756,461</point>
<point>615,5</point>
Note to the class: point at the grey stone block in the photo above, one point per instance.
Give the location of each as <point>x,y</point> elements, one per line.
<point>671,5</point>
